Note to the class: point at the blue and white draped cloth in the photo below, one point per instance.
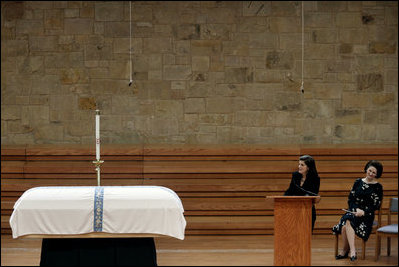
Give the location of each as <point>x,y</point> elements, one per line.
<point>98,209</point>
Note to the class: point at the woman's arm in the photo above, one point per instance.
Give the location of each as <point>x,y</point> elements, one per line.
<point>315,185</point>
<point>291,189</point>
<point>352,197</point>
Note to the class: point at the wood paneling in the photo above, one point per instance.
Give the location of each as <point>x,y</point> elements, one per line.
<point>223,187</point>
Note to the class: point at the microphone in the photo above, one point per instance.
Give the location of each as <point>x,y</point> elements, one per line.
<point>306,191</point>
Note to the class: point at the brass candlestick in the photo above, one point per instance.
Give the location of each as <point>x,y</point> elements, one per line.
<point>97,165</point>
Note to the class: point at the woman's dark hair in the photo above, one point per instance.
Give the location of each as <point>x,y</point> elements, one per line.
<point>375,164</point>
<point>309,161</point>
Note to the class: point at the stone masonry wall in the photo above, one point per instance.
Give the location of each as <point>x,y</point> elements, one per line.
<point>204,72</point>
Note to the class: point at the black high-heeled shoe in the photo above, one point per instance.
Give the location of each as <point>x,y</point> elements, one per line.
<point>340,257</point>
<point>353,258</point>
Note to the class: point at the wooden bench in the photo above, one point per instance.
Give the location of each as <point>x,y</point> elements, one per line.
<point>223,187</point>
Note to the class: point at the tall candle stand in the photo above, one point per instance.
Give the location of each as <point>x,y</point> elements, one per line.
<point>98,162</point>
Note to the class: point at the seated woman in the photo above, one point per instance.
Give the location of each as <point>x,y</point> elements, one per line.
<point>363,200</point>
<point>305,181</point>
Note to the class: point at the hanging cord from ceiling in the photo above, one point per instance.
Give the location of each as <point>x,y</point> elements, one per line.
<point>303,52</point>
<point>130,42</point>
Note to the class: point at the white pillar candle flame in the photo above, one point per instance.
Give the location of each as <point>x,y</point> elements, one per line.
<point>97,135</point>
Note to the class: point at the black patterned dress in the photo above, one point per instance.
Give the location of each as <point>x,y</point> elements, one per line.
<point>367,197</point>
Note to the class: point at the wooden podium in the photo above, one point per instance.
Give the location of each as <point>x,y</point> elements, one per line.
<point>293,229</point>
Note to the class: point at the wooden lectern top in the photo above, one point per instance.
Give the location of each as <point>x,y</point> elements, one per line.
<point>315,199</point>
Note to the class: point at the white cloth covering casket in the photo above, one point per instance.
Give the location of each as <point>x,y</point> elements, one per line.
<point>87,209</point>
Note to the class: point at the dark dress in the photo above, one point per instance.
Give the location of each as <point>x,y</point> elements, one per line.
<point>311,184</point>
<point>367,197</point>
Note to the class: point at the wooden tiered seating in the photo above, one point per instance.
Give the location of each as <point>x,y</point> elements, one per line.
<point>223,187</point>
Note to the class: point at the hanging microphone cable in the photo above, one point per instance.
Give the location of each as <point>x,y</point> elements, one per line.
<point>302,90</point>
<point>130,42</point>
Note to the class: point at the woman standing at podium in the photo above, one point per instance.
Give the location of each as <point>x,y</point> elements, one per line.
<point>305,181</point>
<point>363,200</point>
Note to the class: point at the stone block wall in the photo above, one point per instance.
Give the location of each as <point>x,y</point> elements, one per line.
<point>204,72</point>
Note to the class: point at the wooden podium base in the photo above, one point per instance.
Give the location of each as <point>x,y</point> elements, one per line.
<point>293,230</point>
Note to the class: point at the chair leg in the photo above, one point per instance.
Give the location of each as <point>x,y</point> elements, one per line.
<point>389,246</point>
<point>336,245</point>
<point>377,247</point>
<point>363,249</point>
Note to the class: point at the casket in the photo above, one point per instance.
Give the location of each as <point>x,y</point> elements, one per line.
<point>98,211</point>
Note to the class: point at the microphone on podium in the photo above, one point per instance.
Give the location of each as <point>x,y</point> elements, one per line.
<point>306,191</point>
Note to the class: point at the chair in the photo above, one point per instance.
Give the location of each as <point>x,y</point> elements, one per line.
<point>390,230</point>
<point>375,225</point>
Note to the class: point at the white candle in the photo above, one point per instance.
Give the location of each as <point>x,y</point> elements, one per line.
<point>97,134</point>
